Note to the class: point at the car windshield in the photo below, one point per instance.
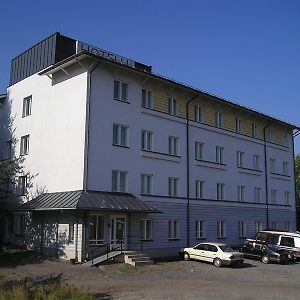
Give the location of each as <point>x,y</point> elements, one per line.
<point>226,248</point>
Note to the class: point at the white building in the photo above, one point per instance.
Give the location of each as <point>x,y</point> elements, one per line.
<point>113,151</point>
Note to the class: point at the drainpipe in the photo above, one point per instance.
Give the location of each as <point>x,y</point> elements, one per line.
<point>188,168</point>
<point>87,123</point>
<point>266,174</point>
<point>295,184</point>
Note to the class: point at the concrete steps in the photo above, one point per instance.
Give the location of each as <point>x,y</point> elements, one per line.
<point>136,258</point>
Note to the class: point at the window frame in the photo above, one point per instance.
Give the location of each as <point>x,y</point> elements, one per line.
<point>116,181</point>
<point>146,184</point>
<point>239,126</point>
<point>119,96</point>
<point>172,106</point>
<point>242,229</point>
<point>241,193</point>
<point>145,225</point>
<point>273,196</point>
<point>220,191</point>
<point>199,151</point>
<point>147,98</point>
<point>118,135</point>
<point>22,185</point>
<point>221,229</point>
<point>257,194</point>
<point>240,159</point>
<point>24,145</point>
<point>199,189</point>
<point>147,140</point>
<point>26,110</point>
<point>287,197</point>
<point>198,114</point>
<point>173,186</point>
<point>200,229</point>
<point>219,120</point>
<point>173,230</point>
<point>174,145</point>
<point>99,240</point>
<point>220,155</point>
<point>256,162</point>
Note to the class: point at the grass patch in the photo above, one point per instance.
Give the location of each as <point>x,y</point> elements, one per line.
<point>49,288</point>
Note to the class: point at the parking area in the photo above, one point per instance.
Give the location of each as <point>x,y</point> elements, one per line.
<point>175,279</point>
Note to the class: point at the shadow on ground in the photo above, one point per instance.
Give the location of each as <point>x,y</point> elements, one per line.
<point>11,257</point>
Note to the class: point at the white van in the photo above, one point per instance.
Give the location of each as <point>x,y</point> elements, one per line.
<point>289,241</point>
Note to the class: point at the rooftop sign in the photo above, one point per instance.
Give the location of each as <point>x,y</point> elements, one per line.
<point>80,46</point>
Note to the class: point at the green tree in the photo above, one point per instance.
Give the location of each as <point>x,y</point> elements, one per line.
<point>9,170</point>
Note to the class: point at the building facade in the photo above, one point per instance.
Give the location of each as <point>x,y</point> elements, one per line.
<point>112,151</point>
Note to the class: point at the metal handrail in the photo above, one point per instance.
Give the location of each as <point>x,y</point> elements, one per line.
<point>140,242</point>
<point>108,248</point>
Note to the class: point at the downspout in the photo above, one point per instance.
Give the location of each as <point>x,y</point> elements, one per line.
<point>76,237</point>
<point>266,174</point>
<point>87,123</point>
<point>295,184</point>
<point>188,168</point>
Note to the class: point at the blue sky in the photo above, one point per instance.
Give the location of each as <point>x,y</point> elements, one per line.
<point>246,51</point>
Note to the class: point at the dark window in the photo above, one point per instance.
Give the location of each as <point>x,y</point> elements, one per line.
<point>287,241</point>
<point>272,238</point>
<point>212,248</point>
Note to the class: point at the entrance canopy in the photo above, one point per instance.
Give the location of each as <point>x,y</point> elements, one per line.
<point>89,200</point>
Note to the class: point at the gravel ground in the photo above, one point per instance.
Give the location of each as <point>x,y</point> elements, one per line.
<point>163,280</point>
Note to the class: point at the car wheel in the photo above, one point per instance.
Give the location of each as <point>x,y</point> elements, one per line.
<point>186,256</point>
<point>217,262</point>
<point>265,259</point>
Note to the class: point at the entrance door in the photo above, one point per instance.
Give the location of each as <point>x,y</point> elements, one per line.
<point>118,231</point>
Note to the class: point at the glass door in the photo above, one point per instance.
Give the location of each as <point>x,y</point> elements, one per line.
<point>118,231</point>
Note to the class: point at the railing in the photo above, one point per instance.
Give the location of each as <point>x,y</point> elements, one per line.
<point>109,249</point>
<point>139,242</point>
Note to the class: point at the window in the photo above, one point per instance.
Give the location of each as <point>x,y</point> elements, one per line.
<point>199,151</point>
<point>221,229</point>
<point>10,224</point>
<point>96,229</point>
<point>220,191</point>
<point>285,168</point>
<point>147,138</point>
<point>270,135</point>
<point>199,189</point>
<point>242,229</point>
<point>120,91</point>
<point>146,184</point>
<point>288,225</point>
<point>284,139</point>
<point>255,132</point>
<point>24,145</point>
<point>219,120</point>
<point>71,232</point>
<point>173,186</point>
<point>241,193</point>
<point>147,99</point>
<point>200,229</point>
<point>8,150</point>
<point>287,198</point>
<point>239,126</point>
<point>26,106</point>
<point>172,106</point>
<point>240,159</point>
<point>274,225</point>
<point>173,229</point>
<point>20,224</point>
<point>273,196</point>
<point>257,193</point>
<point>256,162</point>
<point>287,241</point>
<point>198,114</point>
<point>258,226</point>
<point>272,165</point>
<point>119,181</point>
<point>146,229</point>
<point>22,185</point>
<point>219,155</point>
<point>173,145</point>
<point>120,135</point>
